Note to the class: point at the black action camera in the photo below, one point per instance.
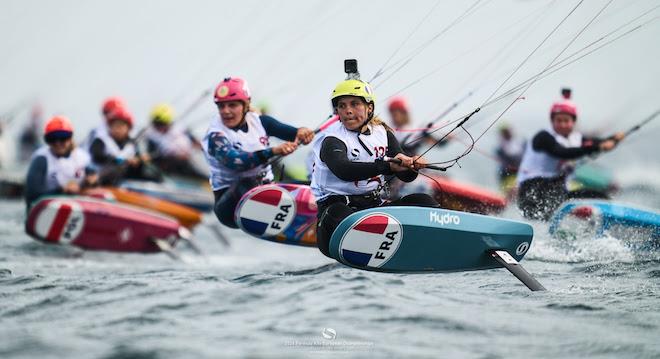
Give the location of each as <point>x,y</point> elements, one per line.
<point>350,66</point>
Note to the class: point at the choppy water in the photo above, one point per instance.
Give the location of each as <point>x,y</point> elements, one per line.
<point>261,299</point>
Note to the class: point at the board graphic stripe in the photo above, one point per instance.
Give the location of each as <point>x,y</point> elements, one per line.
<point>357,258</point>
<point>271,197</point>
<point>372,224</point>
<point>253,226</point>
<point>58,224</point>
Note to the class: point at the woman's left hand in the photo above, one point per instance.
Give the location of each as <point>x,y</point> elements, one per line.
<point>405,165</point>
<point>304,135</point>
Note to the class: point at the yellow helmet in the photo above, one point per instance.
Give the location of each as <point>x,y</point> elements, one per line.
<point>356,88</point>
<point>162,114</point>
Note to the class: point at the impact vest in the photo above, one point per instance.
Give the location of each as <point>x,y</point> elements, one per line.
<point>62,170</point>
<point>325,183</point>
<point>540,164</point>
<point>111,147</point>
<point>174,142</point>
<point>255,139</point>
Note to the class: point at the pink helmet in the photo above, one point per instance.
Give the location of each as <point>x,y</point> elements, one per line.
<point>112,104</point>
<point>564,106</point>
<point>120,114</point>
<point>398,103</point>
<point>232,89</point>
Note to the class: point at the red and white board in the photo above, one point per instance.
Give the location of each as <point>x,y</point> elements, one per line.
<point>460,196</point>
<point>99,225</point>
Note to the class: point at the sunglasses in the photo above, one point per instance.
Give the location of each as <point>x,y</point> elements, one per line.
<point>51,141</point>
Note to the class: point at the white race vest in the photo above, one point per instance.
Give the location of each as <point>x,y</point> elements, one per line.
<point>512,147</point>
<point>540,164</point>
<point>62,170</point>
<point>255,139</point>
<point>325,183</point>
<point>111,147</point>
<point>175,142</point>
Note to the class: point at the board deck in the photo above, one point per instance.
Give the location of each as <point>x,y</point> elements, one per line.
<point>420,239</point>
<point>284,213</point>
<point>637,227</point>
<point>100,225</point>
<point>187,216</point>
<point>199,199</point>
<point>460,196</point>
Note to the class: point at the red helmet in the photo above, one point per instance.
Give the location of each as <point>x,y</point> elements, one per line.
<point>120,114</point>
<point>111,104</point>
<point>58,127</point>
<point>398,103</point>
<point>564,106</point>
<point>232,89</point>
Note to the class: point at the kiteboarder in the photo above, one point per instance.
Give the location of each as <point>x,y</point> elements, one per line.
<point>237,146</point>
<point>350,161</point>
<point>509,153</point>
<point>409,139</point>
<point>171,146</point>
<point>546,162</point>
<point>116,154</point>
<point>59,166</point>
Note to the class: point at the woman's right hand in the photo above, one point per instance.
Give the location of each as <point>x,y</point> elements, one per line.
<point>285,148</point>
<point>72,187</point>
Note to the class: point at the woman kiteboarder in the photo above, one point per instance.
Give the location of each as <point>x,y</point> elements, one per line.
<point>237,148</point>
<point>60,167</point>
<point>350,161</point>
<point>544,167</point>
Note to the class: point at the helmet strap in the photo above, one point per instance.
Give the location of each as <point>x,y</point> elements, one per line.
<point>370,115</point>
<point>246,109</point>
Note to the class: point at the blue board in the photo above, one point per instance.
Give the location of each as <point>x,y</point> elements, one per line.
<point>638,228</point>
<point>420,239</point>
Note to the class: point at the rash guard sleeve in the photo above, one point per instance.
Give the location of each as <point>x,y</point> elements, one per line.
<point>545,142</point>
<point>35,183</point>
<point>278,129</point>
<point>222,150</point>
<point>335,155</point>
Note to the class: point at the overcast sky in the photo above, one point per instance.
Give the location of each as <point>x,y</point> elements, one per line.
<point>70,55</point>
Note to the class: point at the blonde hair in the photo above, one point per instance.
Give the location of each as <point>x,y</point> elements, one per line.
<point>376,121</point>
